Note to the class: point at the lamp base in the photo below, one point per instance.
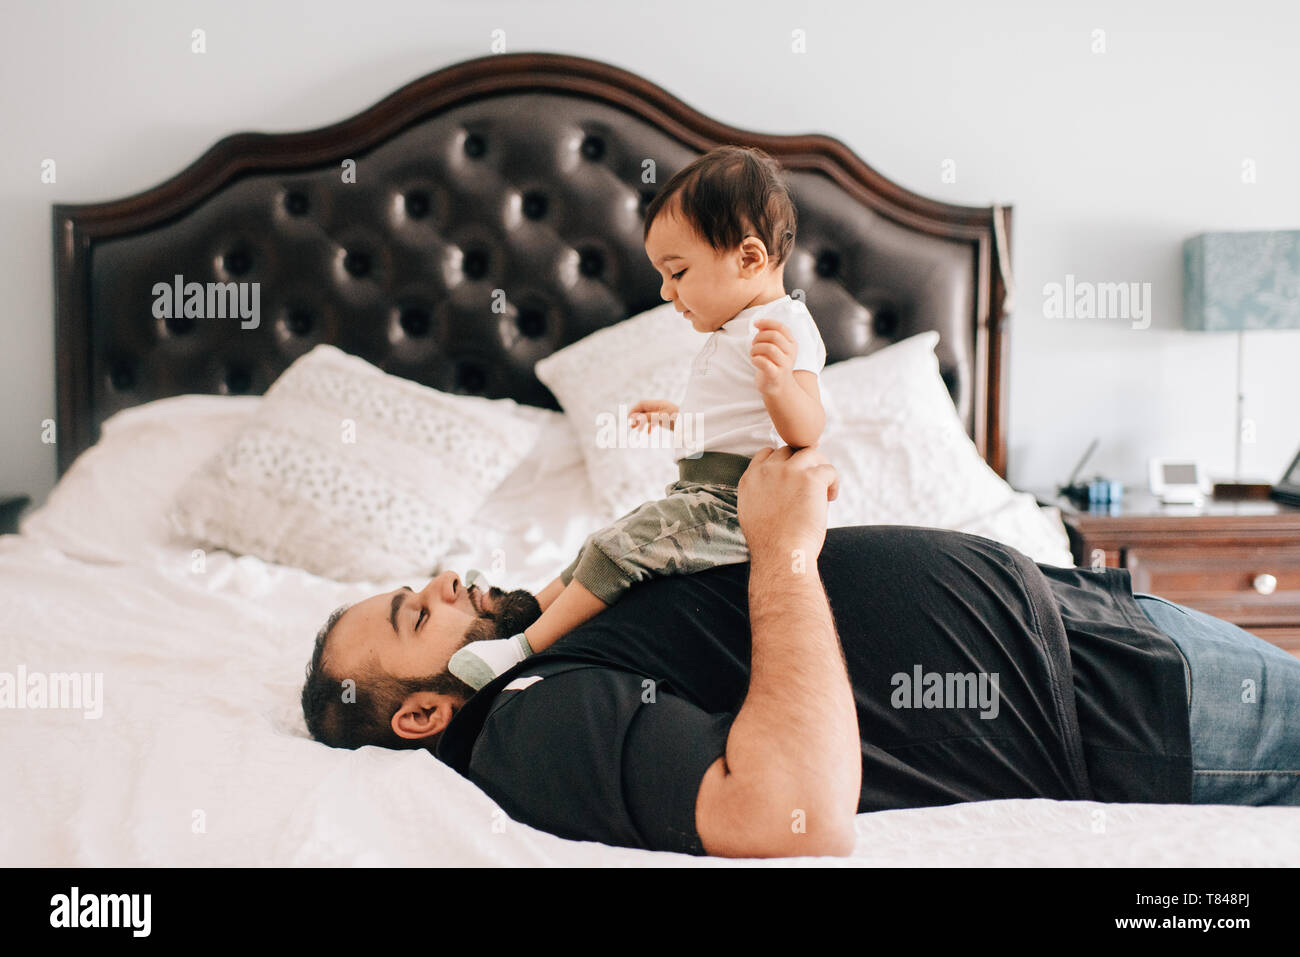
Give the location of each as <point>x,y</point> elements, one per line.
<point>1242,491</point>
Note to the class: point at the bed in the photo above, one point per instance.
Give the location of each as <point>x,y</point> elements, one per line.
<point>522,172</point>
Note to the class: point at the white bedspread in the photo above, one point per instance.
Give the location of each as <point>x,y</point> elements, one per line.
<point>200,756</point>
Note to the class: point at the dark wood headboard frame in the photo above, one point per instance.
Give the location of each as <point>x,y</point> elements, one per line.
<point>77,228</point>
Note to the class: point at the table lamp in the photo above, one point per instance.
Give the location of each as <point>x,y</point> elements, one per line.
<point>1234,282</point>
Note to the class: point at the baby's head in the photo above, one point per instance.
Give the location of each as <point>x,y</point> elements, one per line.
<point>719,234</point>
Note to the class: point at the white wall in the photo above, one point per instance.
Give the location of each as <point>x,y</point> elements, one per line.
<point>1110,159</point>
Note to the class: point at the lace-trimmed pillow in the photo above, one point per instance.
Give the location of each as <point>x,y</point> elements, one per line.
<point>646,357</point>
<point>351,473</point>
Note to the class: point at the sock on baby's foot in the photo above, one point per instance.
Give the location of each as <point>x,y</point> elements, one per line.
<point>480,661</point>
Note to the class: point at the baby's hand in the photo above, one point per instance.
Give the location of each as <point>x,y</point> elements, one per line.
<point>649,413</point>
<point>773,352</point>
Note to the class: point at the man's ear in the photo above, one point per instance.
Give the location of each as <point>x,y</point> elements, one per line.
<point>423,714</point>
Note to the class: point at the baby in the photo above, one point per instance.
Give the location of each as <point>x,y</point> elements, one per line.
<point>719,232</point>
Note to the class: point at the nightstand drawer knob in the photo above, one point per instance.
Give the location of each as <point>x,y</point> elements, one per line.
<point>1265,584</point>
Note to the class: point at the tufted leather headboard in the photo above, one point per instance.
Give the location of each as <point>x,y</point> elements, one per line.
<point>495,216</point>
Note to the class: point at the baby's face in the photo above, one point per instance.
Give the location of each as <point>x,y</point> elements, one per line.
<point>707,287</point>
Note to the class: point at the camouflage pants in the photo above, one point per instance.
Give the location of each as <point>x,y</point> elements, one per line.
<point>694,527</point>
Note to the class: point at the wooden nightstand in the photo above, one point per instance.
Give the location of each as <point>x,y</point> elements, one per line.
<point>1239,561</point>
<point>11,506</point>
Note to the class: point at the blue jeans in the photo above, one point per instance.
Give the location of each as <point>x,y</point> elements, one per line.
<point>1244,708</point>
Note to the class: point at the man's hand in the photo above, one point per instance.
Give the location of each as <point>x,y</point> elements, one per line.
<point>649,413</point>
<point>781,500</point>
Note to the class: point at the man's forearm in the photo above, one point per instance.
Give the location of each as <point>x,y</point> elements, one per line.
<point>796,737</point>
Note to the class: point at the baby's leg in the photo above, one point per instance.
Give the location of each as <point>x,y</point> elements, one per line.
<point>480,661</point>
<point>565,603</point>
<point>574,606</point>
<point>692,529</point>
<point>547,595</point>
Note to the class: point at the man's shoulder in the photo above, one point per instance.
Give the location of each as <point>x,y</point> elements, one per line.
<point>598,754</point>
<point>456,746</point>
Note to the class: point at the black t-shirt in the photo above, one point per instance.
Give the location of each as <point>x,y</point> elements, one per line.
<point>605,736</point>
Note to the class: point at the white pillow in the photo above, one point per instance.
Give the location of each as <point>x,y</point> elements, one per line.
<point>111,504</point>
<point>353,474</point>
<point>645,357</point>
<point>904,458</point>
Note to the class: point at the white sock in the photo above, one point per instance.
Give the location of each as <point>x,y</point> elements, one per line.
<point>480,661</point>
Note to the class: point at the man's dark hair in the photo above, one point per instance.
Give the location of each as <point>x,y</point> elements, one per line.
<point>729,193</point>
<point>368,719</point>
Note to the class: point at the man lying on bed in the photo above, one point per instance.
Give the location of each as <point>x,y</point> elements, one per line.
<point>753,709</point>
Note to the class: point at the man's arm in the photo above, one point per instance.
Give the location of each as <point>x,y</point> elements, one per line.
<point>789,782</point>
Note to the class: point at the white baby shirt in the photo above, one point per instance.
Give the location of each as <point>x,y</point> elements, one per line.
<point>723,410</point>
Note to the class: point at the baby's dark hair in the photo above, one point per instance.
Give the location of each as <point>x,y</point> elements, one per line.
<point>729,193</point>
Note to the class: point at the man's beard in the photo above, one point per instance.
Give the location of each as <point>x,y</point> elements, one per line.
<point>510,614</point>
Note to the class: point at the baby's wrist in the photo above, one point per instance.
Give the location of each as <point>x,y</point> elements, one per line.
<point>782,386</point>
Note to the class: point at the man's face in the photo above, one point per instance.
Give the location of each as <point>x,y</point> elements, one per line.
<point>412,634</point>
<point>706,286</point>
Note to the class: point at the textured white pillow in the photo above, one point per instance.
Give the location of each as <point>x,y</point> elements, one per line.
<point>645,357</point>
<point>111,505</point>
<point>351,473</point>
<point>900,449</point>
<point>904,458</point>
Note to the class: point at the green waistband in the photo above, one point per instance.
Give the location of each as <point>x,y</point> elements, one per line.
<point>713,468</point>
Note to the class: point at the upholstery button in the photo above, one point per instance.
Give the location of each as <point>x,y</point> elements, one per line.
<point>122,376</point>
<point>415,321</point>
<point>179,325</point>
<point>531,322</point>
<point>591,263</point>
<point>470,377</point>
<point>475,146</point>
<point>237,261</point>
<point>475,264</point>
<point>593,147</point>
<point>296,203</point>
<point>238,380</point>
<point>417,204</point>
<point>357,263</point>
<point>884,322</point>
<point>534,205</point>
<point>300,321</point>
<point>828,263</point>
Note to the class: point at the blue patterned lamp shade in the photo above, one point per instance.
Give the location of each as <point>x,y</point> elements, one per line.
<point>1237,281</point>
